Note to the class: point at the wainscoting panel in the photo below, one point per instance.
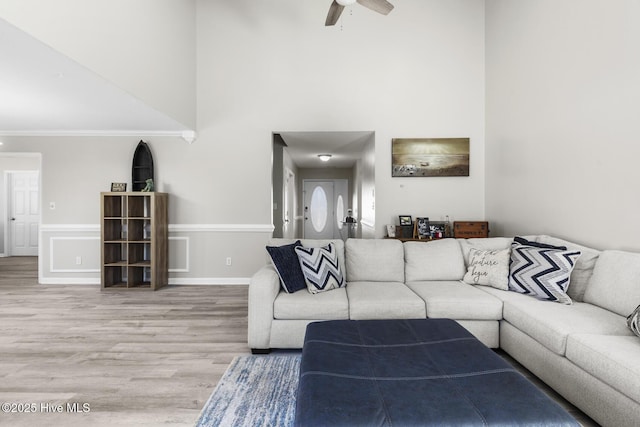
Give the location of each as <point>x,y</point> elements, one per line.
<point>74,254</point>
<point>178,254</point>
<point>199,254</point>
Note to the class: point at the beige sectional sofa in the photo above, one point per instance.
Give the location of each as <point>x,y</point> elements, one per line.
<point>585,350</point>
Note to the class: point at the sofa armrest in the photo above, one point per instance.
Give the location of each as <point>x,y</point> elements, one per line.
<point>263,290</point>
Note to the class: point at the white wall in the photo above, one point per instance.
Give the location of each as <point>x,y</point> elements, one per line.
<point>264,66</point>
<point>146,47</point>
<point>563,90</point>
<point>418,72</point>
<point>366,193</point>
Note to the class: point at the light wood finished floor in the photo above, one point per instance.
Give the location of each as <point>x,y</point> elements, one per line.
<point>137,358</point>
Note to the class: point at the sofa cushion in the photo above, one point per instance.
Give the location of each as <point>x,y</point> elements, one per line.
<point>611,359</point>
<point>285,261</point>
<point>457,300</point>
<point>378,260</point>
<point>583,268</point>
<point>320,268</point>
<point>542,271</point>
<point>488,268</point>
<point>307,306</point>
<point>383,300</point>
<point>615,284</point>
<point>435,260</point>
<point>504,295</point>
<point>551,324</point>
<point>483,244</point>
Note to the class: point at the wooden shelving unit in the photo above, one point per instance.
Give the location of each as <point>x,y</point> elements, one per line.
<point>134,240</point>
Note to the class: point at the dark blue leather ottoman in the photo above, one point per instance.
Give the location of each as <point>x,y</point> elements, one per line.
<point>423,372</point>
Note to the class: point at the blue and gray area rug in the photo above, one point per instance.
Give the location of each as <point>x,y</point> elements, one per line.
<point>254,391</point>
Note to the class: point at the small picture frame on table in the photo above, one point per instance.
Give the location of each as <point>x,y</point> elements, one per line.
<point>405,219</point>
<point>391,230</point>
<point>118,187</point>
<point>438,229</point>
<point>421,229</point>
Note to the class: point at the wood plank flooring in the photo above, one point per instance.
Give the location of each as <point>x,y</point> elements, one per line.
<point>136,358</point>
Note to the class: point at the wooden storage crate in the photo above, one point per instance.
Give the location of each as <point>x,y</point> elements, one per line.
<point>470,229</point>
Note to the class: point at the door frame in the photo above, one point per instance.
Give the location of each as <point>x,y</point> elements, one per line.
<point>4,218</point>
<point>289,187</point>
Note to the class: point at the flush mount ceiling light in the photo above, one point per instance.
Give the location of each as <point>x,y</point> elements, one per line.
<point>324,157</point>
<point>345,2</point>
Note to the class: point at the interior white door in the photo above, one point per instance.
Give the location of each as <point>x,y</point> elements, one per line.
<point>319,212</point>
<point>24,213</point>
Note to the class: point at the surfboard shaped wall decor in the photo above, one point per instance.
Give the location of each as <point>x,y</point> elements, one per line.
<point>142,168</point>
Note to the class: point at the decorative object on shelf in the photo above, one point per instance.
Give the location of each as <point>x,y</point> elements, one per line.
<point>349,217</point>
<point>438,229</point>
<point>448,232</point>
<point>391,230</point>
<point>149,187</point>
<point>470,229</point>
<point>142,168</point>
<point>427,157</point>
<point>118,187</point>
<point>337,6</point>
<point>421,228</point>
<point>404,232</point>
<point>405,219</point>
<point>350,225</point>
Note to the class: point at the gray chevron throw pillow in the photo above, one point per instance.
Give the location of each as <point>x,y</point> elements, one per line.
<point>320,268</point>
<point>634,321</point>
<point>542,271</point>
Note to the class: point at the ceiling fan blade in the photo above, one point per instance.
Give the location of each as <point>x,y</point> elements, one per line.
<point>380,6</point>
<point>334,13</point>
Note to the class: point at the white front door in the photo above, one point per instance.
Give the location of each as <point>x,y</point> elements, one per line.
<point>24,213</point>
<point>319,212</point>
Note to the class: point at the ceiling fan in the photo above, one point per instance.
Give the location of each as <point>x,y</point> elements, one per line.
<point>380,6</point>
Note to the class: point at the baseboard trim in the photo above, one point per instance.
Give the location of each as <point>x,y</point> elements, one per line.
<point>222,228</point>
<point>68,281</point>
<point>213,281</point>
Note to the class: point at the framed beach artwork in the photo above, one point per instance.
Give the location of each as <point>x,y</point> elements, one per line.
<point>425,157</point>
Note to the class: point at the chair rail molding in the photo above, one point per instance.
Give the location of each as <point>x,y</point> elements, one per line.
<point>59,258</point>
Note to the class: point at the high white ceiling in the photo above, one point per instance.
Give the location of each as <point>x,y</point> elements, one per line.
<point>345,147</point>
<point>45,92</point>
